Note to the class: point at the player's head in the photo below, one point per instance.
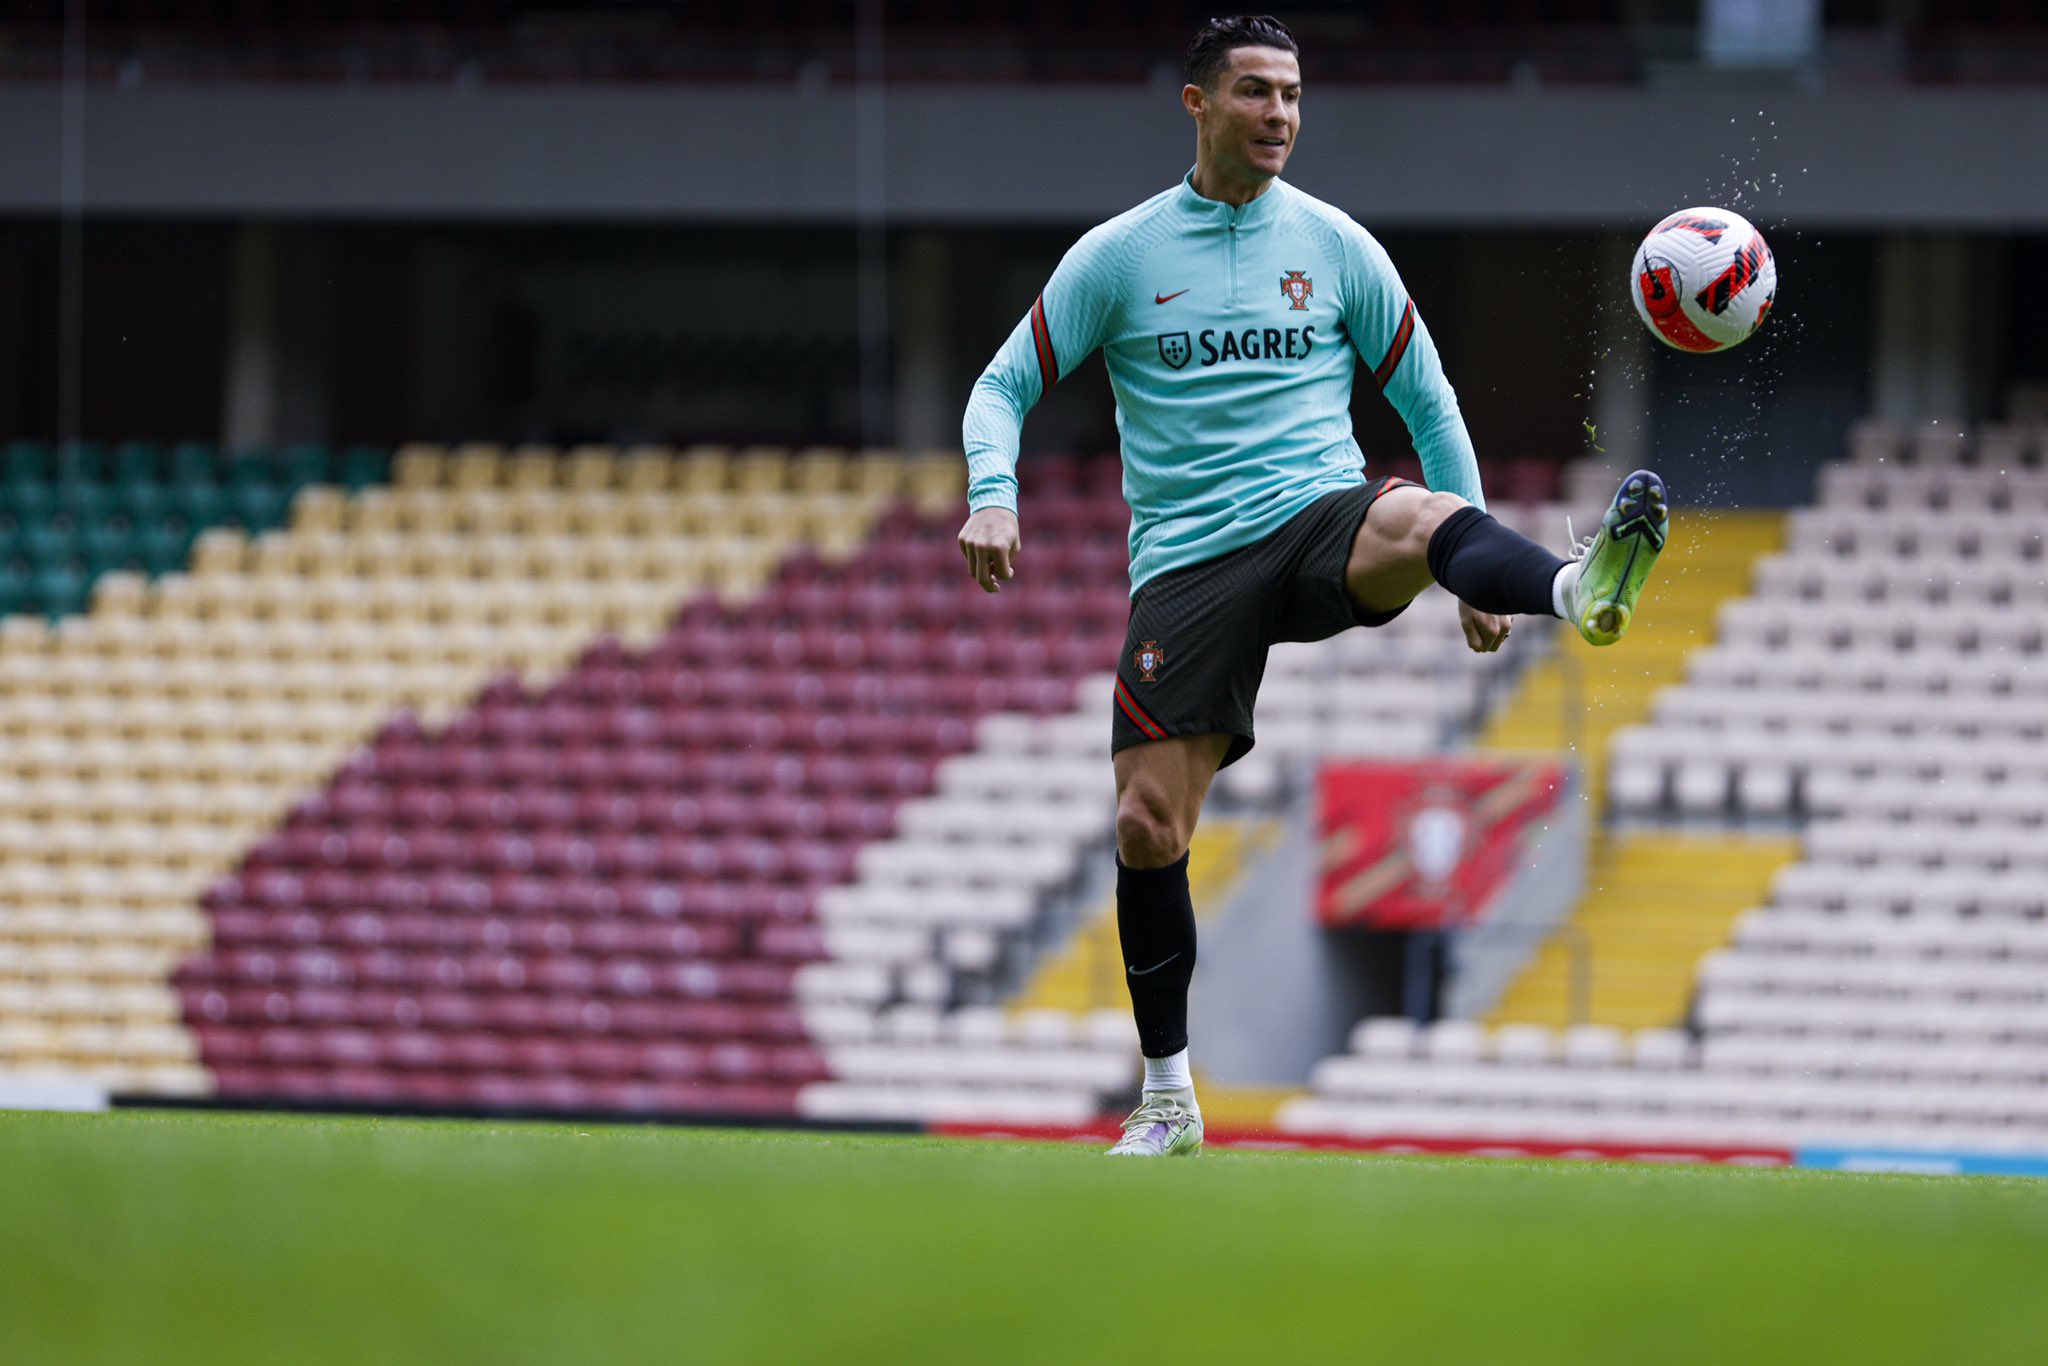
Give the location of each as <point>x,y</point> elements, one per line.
<point>1244,93</point>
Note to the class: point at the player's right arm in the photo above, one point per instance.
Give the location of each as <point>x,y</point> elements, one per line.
<point>1063,328</point>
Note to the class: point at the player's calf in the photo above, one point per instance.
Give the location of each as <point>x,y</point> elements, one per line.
<point>1492,568</point>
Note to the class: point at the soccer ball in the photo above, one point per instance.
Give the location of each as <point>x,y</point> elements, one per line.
<point>1703,279</point>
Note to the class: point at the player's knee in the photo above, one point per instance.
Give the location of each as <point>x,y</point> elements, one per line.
<point>1431,512</point>
<point>1149,834</point>
<point>1401,523</point>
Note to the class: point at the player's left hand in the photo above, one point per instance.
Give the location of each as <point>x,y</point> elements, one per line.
<point>1484,632</point>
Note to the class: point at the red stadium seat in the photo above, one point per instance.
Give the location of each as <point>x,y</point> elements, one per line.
<point>600,895</point>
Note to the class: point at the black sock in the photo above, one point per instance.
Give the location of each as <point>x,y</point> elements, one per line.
<point>1155,921</point>
<point>1492,568</point>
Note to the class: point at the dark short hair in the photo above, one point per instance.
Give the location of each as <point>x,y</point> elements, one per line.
<point>1210,52</point>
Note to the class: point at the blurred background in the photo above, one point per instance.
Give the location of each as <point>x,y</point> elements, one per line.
<point>483,631</point>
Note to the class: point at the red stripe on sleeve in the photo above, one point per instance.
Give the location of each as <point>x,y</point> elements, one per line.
<point>1048,363</point>
<point>1399,348</point>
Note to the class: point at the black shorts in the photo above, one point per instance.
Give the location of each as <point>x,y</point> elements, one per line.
<point>1196,649</point>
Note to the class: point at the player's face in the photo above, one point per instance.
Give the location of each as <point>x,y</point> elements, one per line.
<point>1250,121</point>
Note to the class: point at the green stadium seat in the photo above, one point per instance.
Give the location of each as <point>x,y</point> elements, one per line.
<point>144,502</point>
<point>25,460</point>
<point>164,548</point>
<point>194,462</point>
<point>87,503</point>
<point>136,460</point>
<point>73,512</point>
<point>106,547</point>
<point>200,504</point>
<point>245,469</point>
<point>361,466</point>
<point>81,461</point>
<point>297,466</point>
<point>260,506</point>
<point>31,500</point>
<point>14,586</point>
<point>49,543</point>
<point>60,591</point>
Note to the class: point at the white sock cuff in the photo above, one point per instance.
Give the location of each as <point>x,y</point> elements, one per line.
<point>1169,1073</point>
<point>1560,588</point>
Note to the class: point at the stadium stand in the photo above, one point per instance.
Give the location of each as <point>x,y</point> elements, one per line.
<point>72,513</point>
<point>1883,692</point>
<point>571,848</point>
<point>706,783</point>
<point>153,741</point>
<point>599,893</point>
<point>126,759</point>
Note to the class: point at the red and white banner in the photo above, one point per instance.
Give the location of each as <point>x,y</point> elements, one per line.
<point>1426,844</point>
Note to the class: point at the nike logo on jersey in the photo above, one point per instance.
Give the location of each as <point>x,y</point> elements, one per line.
<point>1147,972</point>
<point>1169,298</point>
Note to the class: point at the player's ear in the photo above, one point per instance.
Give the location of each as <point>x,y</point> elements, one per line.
<point>1194,99</point>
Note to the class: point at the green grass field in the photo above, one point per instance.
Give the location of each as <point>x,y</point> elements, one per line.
<point>167,1238</point>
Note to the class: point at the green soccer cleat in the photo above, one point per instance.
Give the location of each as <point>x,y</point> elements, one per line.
<point>1615,564</point>
<point>1161,1126</point>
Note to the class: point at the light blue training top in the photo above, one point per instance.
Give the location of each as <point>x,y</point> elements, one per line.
<point>1230,335</point>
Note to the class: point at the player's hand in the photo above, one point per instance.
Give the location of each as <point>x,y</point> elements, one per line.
<point>1484,632</point>
<point>989,541</point>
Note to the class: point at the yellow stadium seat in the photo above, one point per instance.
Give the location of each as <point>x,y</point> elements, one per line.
<point>477,465</point>
<point>491,511</point>
<point>120,593</point>
<point>428,510</point>
<point>703,470</point>
<point>648,469</point>
<point>819,469</point>
<point>27,1043</point>
<point>277,552</point>
<point>602,514</point>
<point>222,550</point>
<point>879,473</point>
<point>499,513</point>
<point>420,465</point>
<point>761,469</point>
<point>591,467</point>
<point>318,508</point>
<point>374,511</point>
<point>26,634</point>
<point>937,479</point>
<point>533,467</point>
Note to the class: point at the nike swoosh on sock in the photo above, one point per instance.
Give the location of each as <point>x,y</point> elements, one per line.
<point>1146,972</point>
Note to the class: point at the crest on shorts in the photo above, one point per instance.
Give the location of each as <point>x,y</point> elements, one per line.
<point>1297,287</point>
<point>1175,348</point>
<point>1150,659</point>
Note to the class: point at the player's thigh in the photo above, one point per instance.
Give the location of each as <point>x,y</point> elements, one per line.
<point>1389,562</point>
<point>1160,788</point>
<point>1194,654</point>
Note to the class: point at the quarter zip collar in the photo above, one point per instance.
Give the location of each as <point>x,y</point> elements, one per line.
<point>1216,213</point>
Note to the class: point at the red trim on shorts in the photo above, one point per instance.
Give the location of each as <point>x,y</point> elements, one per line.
<point>1399,348</point>
<point>1041,336</point>
<point>1152,729</point>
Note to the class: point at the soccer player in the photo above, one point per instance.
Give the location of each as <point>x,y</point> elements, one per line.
<point>1232,311</point>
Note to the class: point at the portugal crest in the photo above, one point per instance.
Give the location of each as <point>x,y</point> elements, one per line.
<point>1150,659</point>
<point>1297,287</point>
<point>1175,348</point>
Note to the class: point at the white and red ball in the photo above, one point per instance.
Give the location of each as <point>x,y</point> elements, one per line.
<point>1703,279</point>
